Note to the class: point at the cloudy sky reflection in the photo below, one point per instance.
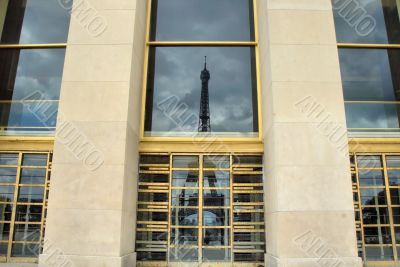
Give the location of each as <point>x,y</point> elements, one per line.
<point>177,73</point>
<point>370,75</point>
<point>44,21</point>
<point>383,12</point>
<point>203,20</point>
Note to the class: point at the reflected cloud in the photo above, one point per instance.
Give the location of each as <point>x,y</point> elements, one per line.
<point>177,73</point>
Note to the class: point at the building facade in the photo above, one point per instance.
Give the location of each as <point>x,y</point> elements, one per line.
<point>212,133</point>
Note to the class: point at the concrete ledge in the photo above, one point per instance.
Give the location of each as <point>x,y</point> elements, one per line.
<point>18,265</point>
<point>86,261</point>
<point>272,261</point>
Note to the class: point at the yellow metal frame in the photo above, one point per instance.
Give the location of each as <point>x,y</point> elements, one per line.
<point>233,207</point>
<point>382,147</point>
<point>150,44</point>
<point>13,222</point>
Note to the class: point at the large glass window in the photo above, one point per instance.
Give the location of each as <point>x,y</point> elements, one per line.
<point>33,34</point>
<point>201,76</point>
<point>24,185</point>
<point>376,190</point>
<point>211,210</point>
<point>368,33</point>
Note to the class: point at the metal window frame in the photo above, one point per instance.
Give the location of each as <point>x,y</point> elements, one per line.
<point>149,44</point>
<point>13,222</point>
<point>234,227</point>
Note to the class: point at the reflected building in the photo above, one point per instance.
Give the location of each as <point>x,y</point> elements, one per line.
<point>294,138</point>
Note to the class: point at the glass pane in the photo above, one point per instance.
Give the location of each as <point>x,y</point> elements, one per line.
<point>248,198</point>
<point>248,217</point>
<point>378,253</point>
<point>31,194</point>
<point>35,21</point>
<point>249,257</point>
<point>217,162</point>
<point>185,178</point>
<point>29,213</point>
<point>371,178</point>
<point>372,117</point>
<point>372,21</point>
<point>33,176</point>
<point>8,159</point>
<point>184,217</point>
<point>154,159</point>
<point>6,193</point>
<point>216,217</point>
<point>4,231</point>
<point>375,215</point>
<point>394,177</point>
<point>255,238</point>
<point>5,212</point>
<point>152,236</point>
<point>184,236</point>
<point>185,162</point>
<point>8,175</point>
<point>395,196</point>
<point>151,256</point>
<point>369,162</point>
<point>246,178</point>
<point>397,234</point>
<point>34,160</point>
<point>250,160</point>
<point>26,232</point>
<point>216,237</point>
<point>222,254</point>
<point>396,215</point>
<point>185,197</point>
<point>393,161</point>
<point>43,78</point>
<point>36,87</point>
<point>216,179</point>
<point>26,250</point>
<point>153,197</point>
<point>152,216</point>
<point>202,20</point>
<point>377,235</point>
<point>370,74</point>
<point>216,197</point>
<point>3,249</point>
<point>153,178</point>
<point>373,197</point>
<point>183,254</point>
<point>174,91</point>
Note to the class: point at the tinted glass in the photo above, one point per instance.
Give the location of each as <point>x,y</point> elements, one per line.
<point>34,160</point>
<point>370,74</point>
<point>174,91</point>
<point>202,20</point>
<point>8,159</point>
<point>33,176</point>
<point>30,92</point>
<point>34,21</point>
<point>31,194</point>
<point>372,21</point>
<point>372,116</point>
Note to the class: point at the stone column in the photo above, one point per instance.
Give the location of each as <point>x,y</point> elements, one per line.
<point>92,204</point>
<point>309,207</point>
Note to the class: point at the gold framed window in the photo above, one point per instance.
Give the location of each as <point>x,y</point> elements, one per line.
<point>175,105</point>
<point>200,208</point>
<point>24,187</point>
<point>368,38</point>
<point>33,35</point>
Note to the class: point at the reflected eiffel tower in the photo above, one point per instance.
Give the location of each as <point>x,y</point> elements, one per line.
<point>204,116</point>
